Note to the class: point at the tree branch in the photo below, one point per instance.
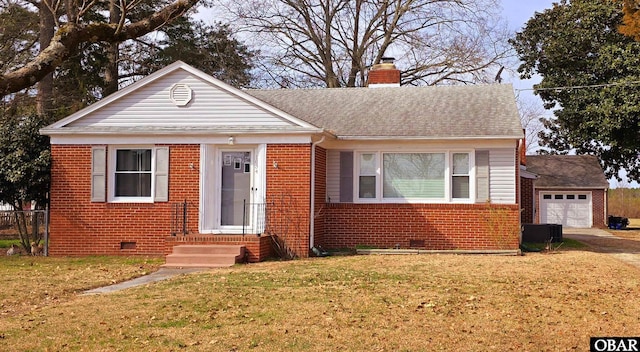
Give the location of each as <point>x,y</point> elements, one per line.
<point>69,36</point>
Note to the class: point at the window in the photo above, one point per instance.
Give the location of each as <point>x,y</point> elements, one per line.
<point>558,196</point>
<point>133,173</point>
<point>582,196</point>
<point>571,196</point>
<point>413,175</point>
<point>460,176</point>
<point>367,178</point>
<point>546,196</point>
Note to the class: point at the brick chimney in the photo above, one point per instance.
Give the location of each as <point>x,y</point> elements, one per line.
<point>384,74</point>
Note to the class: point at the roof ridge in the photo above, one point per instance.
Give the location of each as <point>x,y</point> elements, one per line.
<point>456,86</point>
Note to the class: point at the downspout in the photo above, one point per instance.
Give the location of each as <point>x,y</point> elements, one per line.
<point>606,207</point>
<point>312,213</point>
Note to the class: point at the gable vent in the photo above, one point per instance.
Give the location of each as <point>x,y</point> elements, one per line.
<point>180,94</point>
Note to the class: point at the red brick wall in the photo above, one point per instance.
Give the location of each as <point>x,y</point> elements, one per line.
<point>526,200</point>
<point>600,211</point>
<point>288,196</point>
<point>440,226</point>
<point>81,227</point>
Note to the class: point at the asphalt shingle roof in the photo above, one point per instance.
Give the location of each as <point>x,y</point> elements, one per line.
<point>567,171</point>
<point>478,111</point>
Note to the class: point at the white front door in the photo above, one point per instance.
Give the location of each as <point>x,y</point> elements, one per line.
<point>232,189</point>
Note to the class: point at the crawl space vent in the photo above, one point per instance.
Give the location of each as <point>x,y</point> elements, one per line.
<point>127,245</point>
<point>180,94</point>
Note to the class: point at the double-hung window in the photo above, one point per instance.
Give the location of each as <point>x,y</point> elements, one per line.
<point>367,179</point>
<point>133,173</point>
<point>460,176</point>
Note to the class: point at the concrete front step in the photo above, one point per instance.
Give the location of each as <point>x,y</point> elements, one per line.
<point>205,256</point>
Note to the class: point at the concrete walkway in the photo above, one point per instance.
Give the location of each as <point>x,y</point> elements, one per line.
<point>602,241</point>
<point>161,274</point>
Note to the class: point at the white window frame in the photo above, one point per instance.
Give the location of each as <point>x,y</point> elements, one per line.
<point>470,173</point>
<point>356,178</point>
<point>448,176</point>
<point>112,174</point>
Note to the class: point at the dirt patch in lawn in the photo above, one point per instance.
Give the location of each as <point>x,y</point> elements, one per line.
<point>537,302</point>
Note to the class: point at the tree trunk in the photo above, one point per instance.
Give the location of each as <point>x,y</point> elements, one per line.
<point>111,69</point>
<point>45,86</point>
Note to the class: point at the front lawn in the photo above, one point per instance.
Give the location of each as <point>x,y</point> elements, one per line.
<point>30,283</point>
<point>537,302</point>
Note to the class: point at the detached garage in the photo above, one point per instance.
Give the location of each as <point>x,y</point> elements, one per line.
<point>569,189</point>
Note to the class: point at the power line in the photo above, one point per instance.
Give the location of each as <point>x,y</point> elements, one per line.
<point>630,83</point>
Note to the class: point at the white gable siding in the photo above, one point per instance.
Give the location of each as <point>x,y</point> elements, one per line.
<point>151,105</point>
<point>502,176</point>
<point>333,176</point>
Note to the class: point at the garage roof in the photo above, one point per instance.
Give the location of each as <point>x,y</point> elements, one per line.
<point>567,171</point>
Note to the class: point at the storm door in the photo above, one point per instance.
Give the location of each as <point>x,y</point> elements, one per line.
<point>235,189</point>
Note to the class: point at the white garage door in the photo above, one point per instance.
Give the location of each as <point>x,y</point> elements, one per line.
<point>568,209</point>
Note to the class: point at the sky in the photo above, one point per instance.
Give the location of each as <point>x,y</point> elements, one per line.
<point>517,13</point>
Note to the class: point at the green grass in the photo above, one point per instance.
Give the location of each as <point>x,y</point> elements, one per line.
<point>573,244</point>
<point>8,243</point>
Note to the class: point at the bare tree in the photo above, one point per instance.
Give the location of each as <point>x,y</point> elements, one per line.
<point>332,42</point>
<point>531,113</point>
<point>73,29</point>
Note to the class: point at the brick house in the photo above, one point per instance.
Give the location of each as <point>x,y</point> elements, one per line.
<point>182,158</point>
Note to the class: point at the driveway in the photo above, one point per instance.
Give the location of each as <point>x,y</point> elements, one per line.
<point>602,241</point>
